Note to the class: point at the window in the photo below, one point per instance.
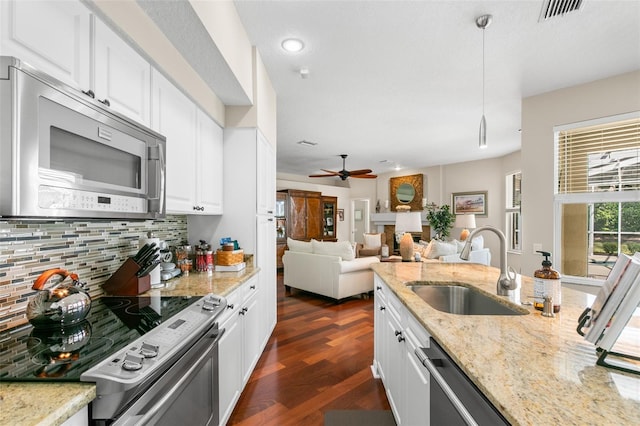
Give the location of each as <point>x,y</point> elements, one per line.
<point>513,217</point>
<point>597,195</point>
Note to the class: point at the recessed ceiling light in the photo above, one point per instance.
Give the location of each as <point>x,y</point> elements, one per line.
<point>292,45</point>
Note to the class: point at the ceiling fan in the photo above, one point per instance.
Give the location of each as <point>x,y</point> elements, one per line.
<point>344,173</point>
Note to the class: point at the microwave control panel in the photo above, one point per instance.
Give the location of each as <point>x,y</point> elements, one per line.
<point>51,197</point>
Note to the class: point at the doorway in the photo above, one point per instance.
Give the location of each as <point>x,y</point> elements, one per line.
<point>359,219</point>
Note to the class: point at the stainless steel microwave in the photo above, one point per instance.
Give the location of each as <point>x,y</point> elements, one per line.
<point>65,154</point>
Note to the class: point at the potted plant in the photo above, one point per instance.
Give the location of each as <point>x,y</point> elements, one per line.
<point>440,219</point>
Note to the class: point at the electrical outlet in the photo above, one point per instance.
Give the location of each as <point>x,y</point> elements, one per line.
<point>537,247</point>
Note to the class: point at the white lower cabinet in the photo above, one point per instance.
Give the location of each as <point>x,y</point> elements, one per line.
<point>396,336</point>
<point>241,344</point>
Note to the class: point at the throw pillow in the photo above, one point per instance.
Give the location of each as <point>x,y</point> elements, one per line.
<point>442,248</point>
<point>372,241</point>
<point>459,245</point>
<point>426,252</point>
<point>477,243</point>
<point>344,249</point>
<point>299,246</point>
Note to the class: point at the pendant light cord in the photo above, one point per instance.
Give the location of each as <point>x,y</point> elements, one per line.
<point>483,70</point>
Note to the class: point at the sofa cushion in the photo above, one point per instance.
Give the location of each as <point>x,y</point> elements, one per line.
<point>477,243</point>
<point>358,264</point>
<point>372,241</point>
<point>441,248</point>
<point>344,249</point>
<point>299,246</point>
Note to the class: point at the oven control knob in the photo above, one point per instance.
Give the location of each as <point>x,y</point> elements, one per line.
<point>132,361</point>
<point>210,303</point>
<point>148,350</point>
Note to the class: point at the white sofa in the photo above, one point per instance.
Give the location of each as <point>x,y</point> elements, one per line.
<point>327,268</point>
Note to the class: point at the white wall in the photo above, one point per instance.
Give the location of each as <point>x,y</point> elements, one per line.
<point>602,98</point>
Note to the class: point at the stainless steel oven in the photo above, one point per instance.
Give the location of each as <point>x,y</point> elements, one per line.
<point>154,359</point>
<point>65,154</point>
<point>187,390</point>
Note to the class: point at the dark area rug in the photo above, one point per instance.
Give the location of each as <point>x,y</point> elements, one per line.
<point>359,418</point>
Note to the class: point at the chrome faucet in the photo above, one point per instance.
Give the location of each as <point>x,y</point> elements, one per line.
<point>507,279</point>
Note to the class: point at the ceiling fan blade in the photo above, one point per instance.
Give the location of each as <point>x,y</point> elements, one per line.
<point>331,171</point>
<point>364,176</point>
<point>326,175</point>
<point>359,172</point>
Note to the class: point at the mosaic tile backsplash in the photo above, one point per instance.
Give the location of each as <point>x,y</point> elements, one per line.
<point>93,249</point>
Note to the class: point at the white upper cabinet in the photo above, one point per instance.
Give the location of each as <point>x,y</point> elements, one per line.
<point>52,36</point>
<point>121,75</point>
<point>209,145</point>
<point>266,172</point>
<point>174,116</point>
<point>194,151</point>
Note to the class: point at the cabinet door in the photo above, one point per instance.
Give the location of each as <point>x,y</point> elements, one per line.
<point>252,331</point>
<point>266,253</point>
<point>174,116</point>
<point>394,366</point>
<point>121,75</point>
<point>208,166</point>
<point>297,219</point>
<point>266,175</point>
<point>314,217</point>
<point>52,36</point>
<point>230,371</point>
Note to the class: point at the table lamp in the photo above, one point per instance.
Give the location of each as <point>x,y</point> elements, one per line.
<point>466,222</point>
<point>405,223</point>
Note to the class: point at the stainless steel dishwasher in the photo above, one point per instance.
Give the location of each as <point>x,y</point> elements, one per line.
<point>454,399</point>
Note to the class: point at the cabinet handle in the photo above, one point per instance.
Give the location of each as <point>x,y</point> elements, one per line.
<point>252,287</point>
<point>382,308</point>
<point>89,93</point>
<point>243,311</point>
<point>400,338</point>
<point>398,333</point>
<point>231,306</point>
<point>198,208</point>
<point>378,288</point>
<point>105,102</point>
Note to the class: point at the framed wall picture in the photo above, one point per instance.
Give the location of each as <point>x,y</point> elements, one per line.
<point>341,215</point>
<point>469,202</point>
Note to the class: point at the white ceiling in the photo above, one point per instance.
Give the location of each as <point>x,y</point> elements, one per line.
<point>401,81</point>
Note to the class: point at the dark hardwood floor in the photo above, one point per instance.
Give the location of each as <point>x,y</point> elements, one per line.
<point>317,359</point>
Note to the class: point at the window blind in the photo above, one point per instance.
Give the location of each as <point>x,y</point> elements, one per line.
<point>599,158</point>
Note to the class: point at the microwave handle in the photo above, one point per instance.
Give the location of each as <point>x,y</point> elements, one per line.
<point>156,154</point>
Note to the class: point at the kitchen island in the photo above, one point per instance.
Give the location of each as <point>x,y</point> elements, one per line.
<point>26,404</point>
<point>535,370</point>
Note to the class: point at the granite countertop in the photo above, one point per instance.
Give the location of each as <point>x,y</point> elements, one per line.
<point>535,370</point>
<point>49,404</point>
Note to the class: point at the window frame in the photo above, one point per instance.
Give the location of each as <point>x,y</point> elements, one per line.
<point>509,209</point>
<point>584,197</point>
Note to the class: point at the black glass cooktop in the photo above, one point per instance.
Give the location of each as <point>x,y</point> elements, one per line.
<point>63,354</point>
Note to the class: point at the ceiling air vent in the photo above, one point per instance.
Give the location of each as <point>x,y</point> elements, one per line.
<point>553,8</point>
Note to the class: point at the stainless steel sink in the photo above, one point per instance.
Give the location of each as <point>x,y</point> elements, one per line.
<point>461,300</point>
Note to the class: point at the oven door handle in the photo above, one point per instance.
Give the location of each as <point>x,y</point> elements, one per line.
<point>433,370</point>
<point>151,412</point>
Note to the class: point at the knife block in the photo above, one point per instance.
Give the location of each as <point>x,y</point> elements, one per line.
<point>124,281</point>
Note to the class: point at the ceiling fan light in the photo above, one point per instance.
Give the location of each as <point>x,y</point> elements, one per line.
<point>482,134</point>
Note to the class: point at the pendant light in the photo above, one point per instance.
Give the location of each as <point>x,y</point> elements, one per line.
<point>483,22</point>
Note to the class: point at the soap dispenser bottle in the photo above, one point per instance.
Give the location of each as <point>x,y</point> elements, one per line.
<point>546,282</point>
